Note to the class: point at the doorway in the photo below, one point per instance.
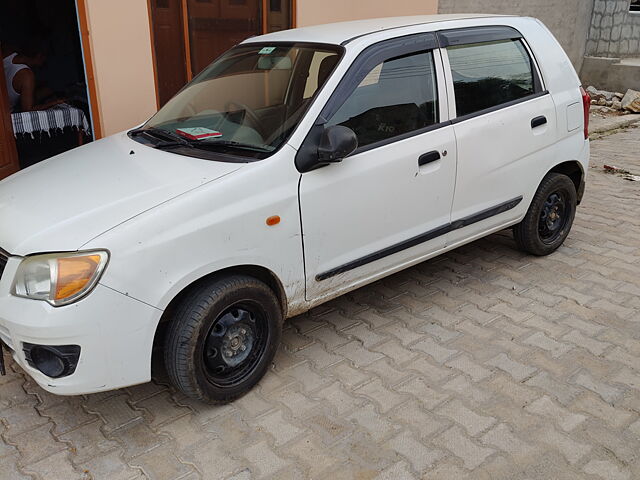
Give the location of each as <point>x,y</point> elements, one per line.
<point>41,39</point>
<point>189,34</point>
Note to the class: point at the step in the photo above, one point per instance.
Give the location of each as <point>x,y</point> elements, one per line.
<point>611,74</point>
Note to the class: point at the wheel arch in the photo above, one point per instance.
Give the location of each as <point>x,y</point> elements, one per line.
<point>575,171</point>
<point>261,273</point>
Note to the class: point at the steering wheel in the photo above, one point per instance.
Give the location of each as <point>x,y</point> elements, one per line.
<point>248,114</point>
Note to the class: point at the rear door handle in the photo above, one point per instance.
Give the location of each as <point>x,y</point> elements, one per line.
<point>538,121</point>
<point>429,157</point>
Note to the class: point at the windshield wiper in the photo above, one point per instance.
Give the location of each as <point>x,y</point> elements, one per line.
<point>232,144</point>
<point>169,139</point>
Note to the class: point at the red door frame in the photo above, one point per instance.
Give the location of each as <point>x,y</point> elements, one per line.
<point>8,153</point>
<point>85,36</point>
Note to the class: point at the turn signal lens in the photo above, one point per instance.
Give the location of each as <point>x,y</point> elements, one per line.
<point>74,274</point>
<point>274,220</point>
<point>59,278</point>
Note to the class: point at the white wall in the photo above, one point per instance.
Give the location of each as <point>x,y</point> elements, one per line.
<point>315,12</point>
<point>122,61</point>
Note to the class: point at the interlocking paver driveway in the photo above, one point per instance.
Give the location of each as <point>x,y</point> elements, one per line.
<point>484,363</point>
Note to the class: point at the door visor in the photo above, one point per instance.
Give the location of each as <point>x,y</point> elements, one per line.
<point>465,36</point>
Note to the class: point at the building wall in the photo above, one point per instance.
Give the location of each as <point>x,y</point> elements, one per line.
<point>121,49</point>
<point>615,32</point>
<point>569,20</point>
<point>315,12</point>
<point>122,62</point>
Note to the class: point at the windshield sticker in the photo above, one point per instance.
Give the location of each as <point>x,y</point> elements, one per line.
<point>267,51</point>
<point>198,133</point>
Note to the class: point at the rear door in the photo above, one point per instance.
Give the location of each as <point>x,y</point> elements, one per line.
<point>504,122</point>
<point>389,203</point>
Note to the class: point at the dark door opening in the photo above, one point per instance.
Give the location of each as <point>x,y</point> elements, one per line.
<point>44,73</point>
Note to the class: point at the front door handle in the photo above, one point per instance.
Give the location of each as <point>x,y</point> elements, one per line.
<point>538,121</point>
<point>428,158</point>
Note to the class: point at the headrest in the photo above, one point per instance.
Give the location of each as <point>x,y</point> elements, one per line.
<point>326,67</point>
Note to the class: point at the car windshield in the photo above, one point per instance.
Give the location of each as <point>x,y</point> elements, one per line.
<point>245,104</point>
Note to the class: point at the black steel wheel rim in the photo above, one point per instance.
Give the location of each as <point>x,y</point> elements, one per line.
<point>235,344</point>
<point>553,217</point>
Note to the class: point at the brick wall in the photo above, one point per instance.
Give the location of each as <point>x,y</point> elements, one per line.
<point>614,32</point>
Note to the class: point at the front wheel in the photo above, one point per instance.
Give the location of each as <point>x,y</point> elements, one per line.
<point>223,338</point>
<point>550,217</point>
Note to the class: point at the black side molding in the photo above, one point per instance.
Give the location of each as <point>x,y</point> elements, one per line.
<point>484,214</point>
<point>422,238</point>
<point>398,247</point>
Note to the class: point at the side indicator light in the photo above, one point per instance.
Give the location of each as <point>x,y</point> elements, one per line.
<point>274,220</point>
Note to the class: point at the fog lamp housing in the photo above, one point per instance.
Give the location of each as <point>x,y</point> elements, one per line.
<point>52,361</point>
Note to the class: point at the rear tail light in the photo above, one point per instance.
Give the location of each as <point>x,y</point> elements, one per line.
<point>586,104</point>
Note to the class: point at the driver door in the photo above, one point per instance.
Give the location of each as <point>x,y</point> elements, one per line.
<point>388,205</point>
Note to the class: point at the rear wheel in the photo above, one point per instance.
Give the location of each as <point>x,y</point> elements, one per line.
<point>550,216</point>
<point>223,338</point>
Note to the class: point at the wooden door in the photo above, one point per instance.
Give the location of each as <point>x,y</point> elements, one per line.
<point>169,44</point>
<point>8,155</point>
<point>189,34</point>
<point>278,15</point>
<point>217,25</point>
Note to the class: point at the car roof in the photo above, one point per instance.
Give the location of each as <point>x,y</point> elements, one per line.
<point>339,33</point>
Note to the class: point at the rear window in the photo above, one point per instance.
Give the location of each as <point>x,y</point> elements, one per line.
<point>489,74</point>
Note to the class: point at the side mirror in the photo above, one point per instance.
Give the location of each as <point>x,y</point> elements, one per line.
<point>337,143</point>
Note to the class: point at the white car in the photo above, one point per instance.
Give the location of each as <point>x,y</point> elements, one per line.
<point>299,166</point>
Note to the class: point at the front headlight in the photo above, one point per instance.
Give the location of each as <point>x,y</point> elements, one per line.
<point>59,278</point>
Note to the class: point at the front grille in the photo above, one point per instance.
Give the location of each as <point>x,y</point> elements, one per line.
<point>3,263</point>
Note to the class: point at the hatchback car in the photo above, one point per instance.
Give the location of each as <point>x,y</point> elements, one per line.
<point>299,166</point>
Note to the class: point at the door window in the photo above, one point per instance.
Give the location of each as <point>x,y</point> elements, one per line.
<point>489,74</point>
<point>398,96</point>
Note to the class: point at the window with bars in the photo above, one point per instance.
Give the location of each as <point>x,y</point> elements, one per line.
<point>634,6</point>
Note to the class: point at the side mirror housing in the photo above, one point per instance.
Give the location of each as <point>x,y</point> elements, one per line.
<point>337,143</point>
<point>324,146</point>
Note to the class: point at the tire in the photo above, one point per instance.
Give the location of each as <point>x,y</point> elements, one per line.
<point>550,216</point>
<point>222,338</point>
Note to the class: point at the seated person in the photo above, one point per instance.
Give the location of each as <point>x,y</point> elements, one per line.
<point>21,79</point>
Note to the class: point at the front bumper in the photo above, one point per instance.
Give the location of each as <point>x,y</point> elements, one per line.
<point>115,333</point>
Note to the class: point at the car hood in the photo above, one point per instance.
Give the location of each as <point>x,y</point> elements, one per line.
<point>64,202</point>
